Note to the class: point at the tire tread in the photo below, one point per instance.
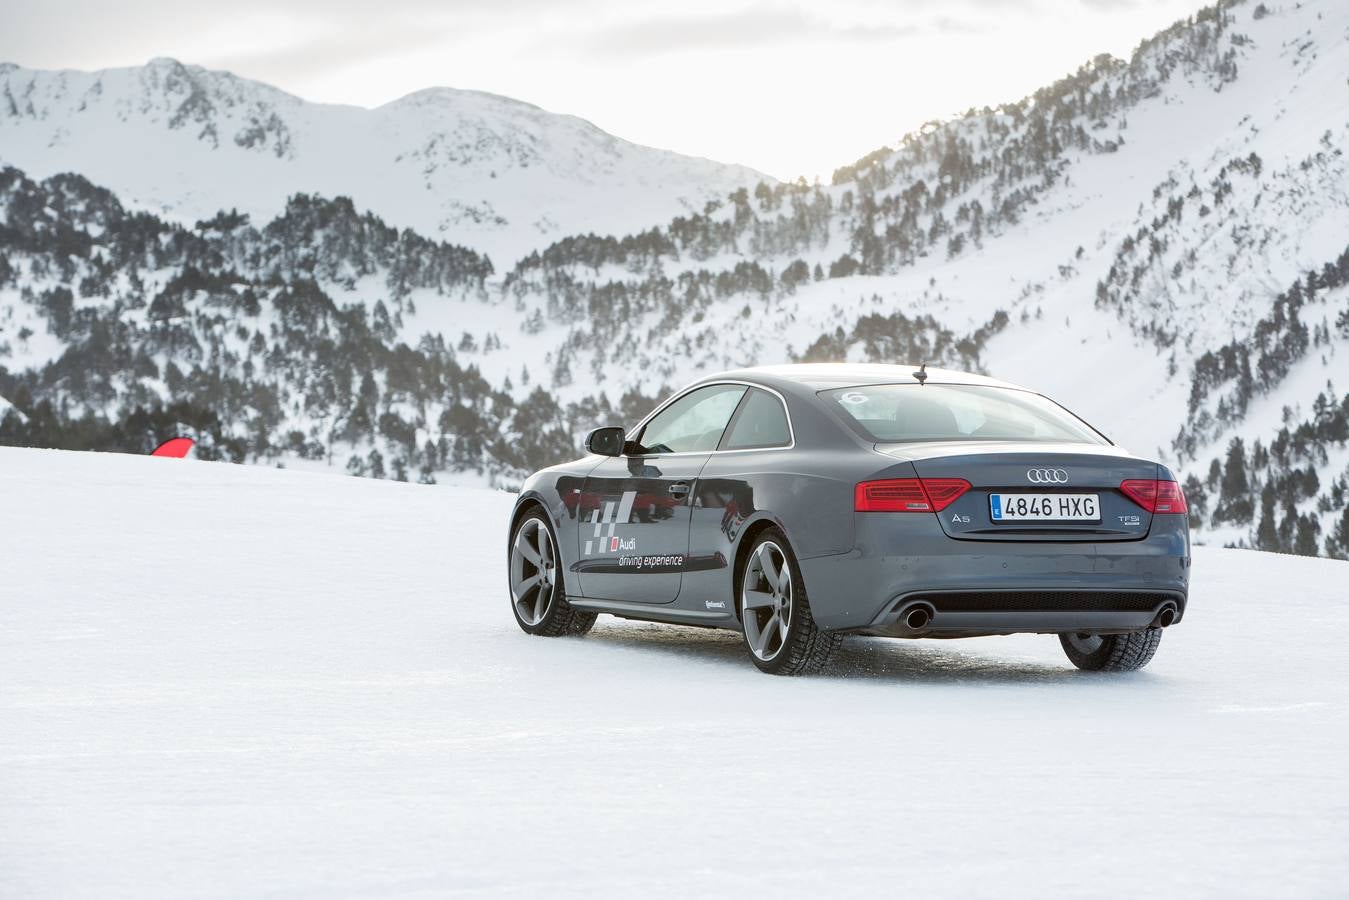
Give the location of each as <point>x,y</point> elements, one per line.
<point>563,619</point>
<point>810,649</point>
<point>1119,652</point>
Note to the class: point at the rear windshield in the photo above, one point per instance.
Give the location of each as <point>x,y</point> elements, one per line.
<point>894,413</point>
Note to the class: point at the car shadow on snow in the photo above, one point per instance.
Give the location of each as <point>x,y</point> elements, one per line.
<point>860,658</point>
<point>939,662</point>
<point>704,644</point>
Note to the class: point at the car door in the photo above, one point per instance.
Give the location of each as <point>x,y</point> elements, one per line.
<point>633,514</point>
<point>750,456</point>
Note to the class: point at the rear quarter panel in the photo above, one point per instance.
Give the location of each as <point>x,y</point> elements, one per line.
<point>806,490</point>
<point>800,492</point>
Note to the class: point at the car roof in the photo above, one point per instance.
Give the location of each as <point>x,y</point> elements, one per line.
<point>822,376</point>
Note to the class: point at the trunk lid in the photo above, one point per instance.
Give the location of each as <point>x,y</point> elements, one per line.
<point>1060,472</point>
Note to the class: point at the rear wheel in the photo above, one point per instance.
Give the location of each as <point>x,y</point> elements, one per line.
<point>538,595</point>
<point>1111,652</point>
<point>775,617</point>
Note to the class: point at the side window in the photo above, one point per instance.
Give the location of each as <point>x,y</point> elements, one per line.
<point>761,423</point>
<point>693,423</point>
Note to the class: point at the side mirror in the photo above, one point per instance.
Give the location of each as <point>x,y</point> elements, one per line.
<point>606,441</point>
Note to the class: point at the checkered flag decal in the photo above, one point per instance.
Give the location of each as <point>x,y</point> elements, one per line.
<point>615,513</point>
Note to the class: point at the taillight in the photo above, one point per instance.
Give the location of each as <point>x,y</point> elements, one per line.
<point>1160,497</point>
<point>944,491</point>
<point>892,495</point>
<point>1170,498</point>
<point>908,494</point>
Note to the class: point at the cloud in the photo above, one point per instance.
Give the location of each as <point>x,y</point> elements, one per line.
<point>301,37</point>
<point>752,27</point>
<point>87,33</point>
<point>329,52</point>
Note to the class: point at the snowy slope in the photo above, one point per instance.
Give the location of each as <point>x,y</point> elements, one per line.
<point>1216,178</point>
<point>477,169</point>
<point>1223,261</point>
<point>224,681</point>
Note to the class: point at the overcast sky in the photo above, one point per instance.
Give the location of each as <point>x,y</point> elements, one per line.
<point>789,88</point>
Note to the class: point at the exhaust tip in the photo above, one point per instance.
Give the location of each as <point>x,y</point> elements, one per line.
<point>1166,616</point>
<point>917,618</point>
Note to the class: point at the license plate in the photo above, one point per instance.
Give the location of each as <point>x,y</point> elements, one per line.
<point>1045,507</point>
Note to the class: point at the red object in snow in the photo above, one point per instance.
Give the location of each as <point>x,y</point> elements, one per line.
<point>176,448</point>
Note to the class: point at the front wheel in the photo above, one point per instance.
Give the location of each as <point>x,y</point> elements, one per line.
<point>538,595</point>
<point>1111,652</point>
<point>775,617</point>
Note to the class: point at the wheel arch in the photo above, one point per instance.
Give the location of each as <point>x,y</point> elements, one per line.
<point>748,533</point>
<point>523,507</point>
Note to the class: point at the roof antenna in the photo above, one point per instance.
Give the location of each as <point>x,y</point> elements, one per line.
<point>921,374</point>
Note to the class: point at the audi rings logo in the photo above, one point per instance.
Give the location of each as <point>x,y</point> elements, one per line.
<point>1047,476</point>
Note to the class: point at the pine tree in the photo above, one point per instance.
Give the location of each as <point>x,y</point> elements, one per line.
<point>1266,533</point>
<point>1337,542</point>
<point>1236,487</point>
<point>1308,537</point>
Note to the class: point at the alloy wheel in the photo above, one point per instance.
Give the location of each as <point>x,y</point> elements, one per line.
<point>1086,644</point>
<point>766,600</point>
<point>533,565</point>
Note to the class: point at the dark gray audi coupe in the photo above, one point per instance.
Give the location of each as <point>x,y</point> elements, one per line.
<point>797,504</point>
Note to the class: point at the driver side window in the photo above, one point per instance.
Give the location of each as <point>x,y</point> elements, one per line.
<point>693,423</point>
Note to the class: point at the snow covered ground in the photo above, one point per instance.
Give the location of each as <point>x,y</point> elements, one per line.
<point>222,681</point>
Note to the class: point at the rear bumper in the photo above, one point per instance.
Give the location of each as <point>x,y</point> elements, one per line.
<point>987,587</point>
<point>969,613</point>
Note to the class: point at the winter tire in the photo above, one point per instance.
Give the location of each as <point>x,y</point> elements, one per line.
<point>537,592</point>
<point>1111,652</point>
<point>779,631</point>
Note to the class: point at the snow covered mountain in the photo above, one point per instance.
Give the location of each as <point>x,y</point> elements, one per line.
<point>473,168</point>
<point>1161,243</point>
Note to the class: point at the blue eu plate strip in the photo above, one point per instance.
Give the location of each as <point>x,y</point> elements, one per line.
<point>997,507</point>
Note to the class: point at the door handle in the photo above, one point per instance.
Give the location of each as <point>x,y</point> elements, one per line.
<point>679,488</point>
